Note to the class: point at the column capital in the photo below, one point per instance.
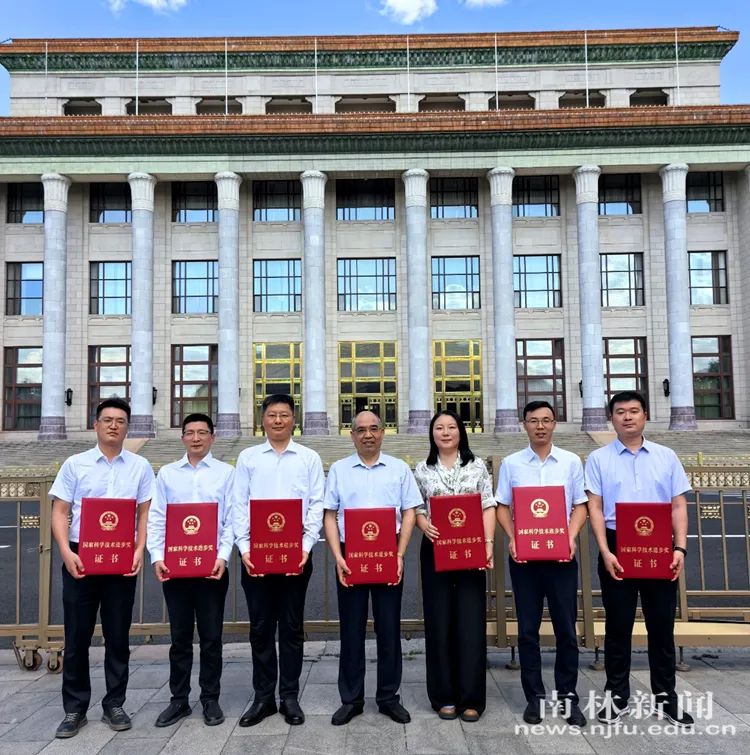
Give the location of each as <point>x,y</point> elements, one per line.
<point>415,183</point>
<point>673,180</point>
<point>313,189</point>
<point>501,186</point>
<point>142,191</point>
<point>587,183</point>
<point>228,190</point>
<point>55,192</point>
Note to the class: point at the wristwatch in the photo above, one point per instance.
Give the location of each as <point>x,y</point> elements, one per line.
<point>680,549</point>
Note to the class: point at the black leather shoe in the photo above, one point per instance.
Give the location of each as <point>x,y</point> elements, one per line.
<point>291,711</point>
<point>257,712</point>
<point>533,713</point>
<point>173,713</point>
<point>213,715</point>
<point>396,712</point>
<point>576,717</point>
<point>116,718</point>
<point>71,725</point>
<point>346,713</point>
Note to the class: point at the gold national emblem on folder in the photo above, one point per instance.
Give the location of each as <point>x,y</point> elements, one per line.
<point>191,524</point>
<point>370,531</point>
<point>276,521</point>
<point>457,517</point>
<point>644,525</point>
<point>108,521</point>
<point>539,508</point>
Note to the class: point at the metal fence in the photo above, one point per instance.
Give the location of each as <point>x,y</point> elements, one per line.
<point>713,605</point>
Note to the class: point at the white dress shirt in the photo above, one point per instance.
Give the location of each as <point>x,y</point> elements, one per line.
<point>389,482</point>
<point>91,475</point>
<point>180,482</point>
<point>262,472</point>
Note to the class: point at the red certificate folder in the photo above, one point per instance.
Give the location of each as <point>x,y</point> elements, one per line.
<point>190,542</point>
<point>644,540</point>
<point>540,523</point>
<point>106,540</point>
<point>458,519</point>
<point>371,546</point>
<point>276,535</point>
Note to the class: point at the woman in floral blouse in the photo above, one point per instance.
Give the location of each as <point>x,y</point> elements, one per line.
<point>454,601</point>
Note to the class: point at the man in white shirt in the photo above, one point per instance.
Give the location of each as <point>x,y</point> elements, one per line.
<point>278,468</point>
<point>106,471</point>
<point>543,463</point>
<point>196,478</point>
<point>367,479</point>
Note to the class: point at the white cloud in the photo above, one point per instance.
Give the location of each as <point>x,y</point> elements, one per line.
<point>484,3</point>
<point>408,11</point>
<point>160,6</point>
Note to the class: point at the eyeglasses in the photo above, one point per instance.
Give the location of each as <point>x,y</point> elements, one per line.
<point>273,417</point>
<point>534,422</point>
<point>196,434</point>
<point>374,429</point>
<point>116,421</point>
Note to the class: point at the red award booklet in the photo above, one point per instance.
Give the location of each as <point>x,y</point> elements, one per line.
<point>106,540</point>
<point>276,535</point>
<point>191,536</point>
<point>540,523</point>
<point>371,546</point>
<point>644,540</point>
<point>458,519</point>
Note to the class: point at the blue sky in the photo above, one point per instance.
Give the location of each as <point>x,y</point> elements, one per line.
<point>155,18</point>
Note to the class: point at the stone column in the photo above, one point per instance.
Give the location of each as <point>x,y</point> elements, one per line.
<point>52,424</point>
<point>228,417</point>
<point>589,293</point>
<point>417,304</point>
<point>315,419</point>
<point>142,307</point>
<point>501,204</point>
<point>682,412</point>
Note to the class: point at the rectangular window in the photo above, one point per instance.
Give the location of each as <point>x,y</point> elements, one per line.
<point>277,368</point>
<point>536,281</point>
<point>366,285</point>
<point>195,376</point>
<point>277,285</point>
<point>708,277</point>
<point>455,283</point>
<point>625,366</point>
<point>367,380</point>
<point>277,201</point>
<point>194,202</point>
<point>705,192</point>
<point>457,368</point>
<point>25,285</point>
<point>712,377</point>
<point>195,287</point>
<point>365,199</point>
<point>110,203</point>
<point>454,198</point>
<point>536,196</point>
<point>620,194</point>
<point>110,288</point>
<point>622,279</point>
<point>109,376</point>
<point>25,203</point>
<point>22,388</point>
<point>540,371</point>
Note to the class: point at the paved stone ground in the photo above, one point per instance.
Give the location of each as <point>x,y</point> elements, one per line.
<point>30,709</point>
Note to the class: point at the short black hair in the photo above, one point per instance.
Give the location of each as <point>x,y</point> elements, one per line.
<point>532,406</point>
<point>625,396</point>
<point>113,403</point>
<point>464,451</point>
<point>198,417</point>
<point>277,398</point>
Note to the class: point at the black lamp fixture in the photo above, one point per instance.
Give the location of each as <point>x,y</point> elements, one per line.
<point>69,397</point>
<point>665,386</point>
<point>580,388</point>
<point>154,394</point>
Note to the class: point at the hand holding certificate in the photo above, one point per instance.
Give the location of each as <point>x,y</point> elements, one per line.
<point>106,543</point>
<point>275,536</point>
<point>644,540</point>
<point>191,536</point>
<point>458,519</point>
<point>540,523</point>
<point>371,546</point>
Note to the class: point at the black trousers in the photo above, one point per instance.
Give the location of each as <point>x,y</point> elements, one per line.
<point>111,596</point>
<point>191,601</point>
<point>386,613</point>
<point>659,603</point>
<point>557,582</point>
<point>277,600</point>
<point>455,633</point>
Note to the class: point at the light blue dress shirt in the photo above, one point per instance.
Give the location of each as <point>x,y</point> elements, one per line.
<point>653,474</point>
<point>353,485</point>
<point>90,475</point>
<point>525,469</point>
<point>261,472</point>
<point>181,482</point>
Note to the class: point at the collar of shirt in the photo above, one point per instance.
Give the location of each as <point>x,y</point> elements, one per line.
<point>291,448</point>
<point>204,462</point>
<point>357,461</point>
<point>620,447</point>
<point>100,455</point>
<point>533,456</point>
